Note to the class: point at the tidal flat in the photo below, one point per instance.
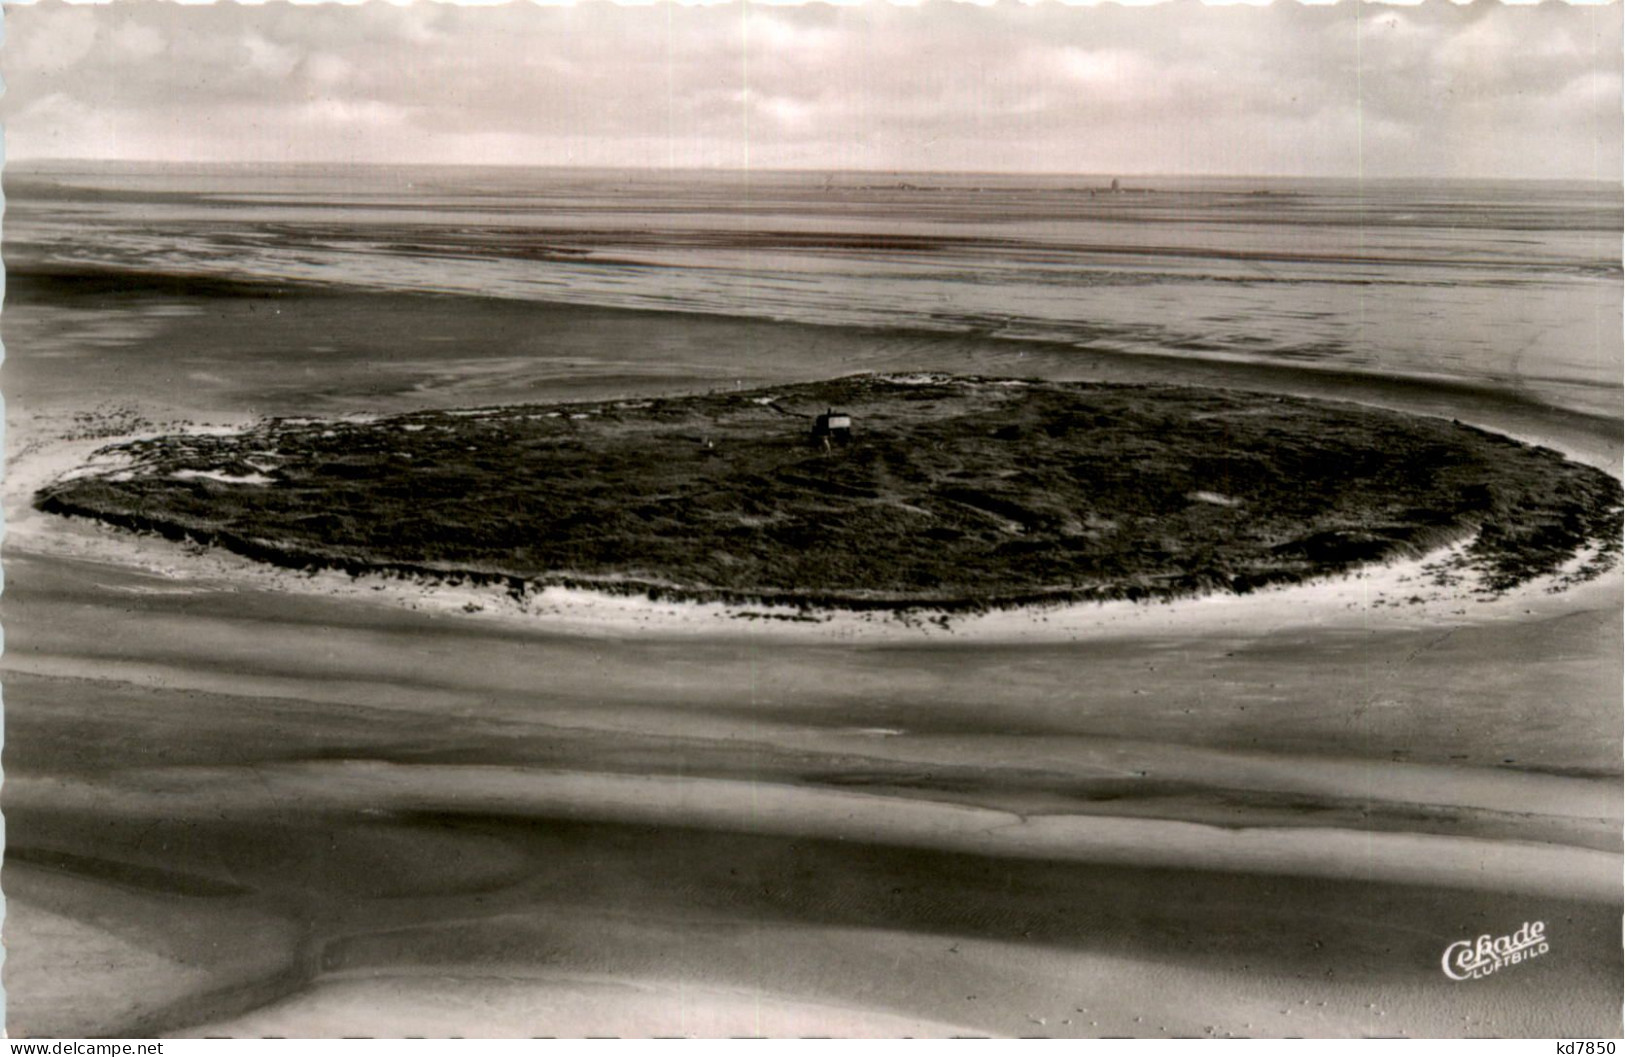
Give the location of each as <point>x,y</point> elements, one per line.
<point>262,801</point>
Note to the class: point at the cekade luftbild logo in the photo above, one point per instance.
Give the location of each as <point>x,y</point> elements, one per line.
<point>1476,959</point>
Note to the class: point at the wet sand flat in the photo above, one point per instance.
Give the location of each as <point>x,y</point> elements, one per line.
<point>413,823</point>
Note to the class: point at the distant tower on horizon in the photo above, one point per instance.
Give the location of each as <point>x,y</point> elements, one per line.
<point>1116,186</point>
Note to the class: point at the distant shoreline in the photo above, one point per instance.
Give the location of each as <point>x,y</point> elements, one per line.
<point>63,165</point>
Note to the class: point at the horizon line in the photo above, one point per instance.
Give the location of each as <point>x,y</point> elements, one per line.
<point>799,170</point>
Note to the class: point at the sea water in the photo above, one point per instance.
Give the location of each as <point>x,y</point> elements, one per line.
<point>1511,286</point>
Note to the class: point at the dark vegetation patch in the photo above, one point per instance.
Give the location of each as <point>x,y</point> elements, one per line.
<point>954,493</point>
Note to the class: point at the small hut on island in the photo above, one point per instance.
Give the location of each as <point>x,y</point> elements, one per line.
<point>832,427</point>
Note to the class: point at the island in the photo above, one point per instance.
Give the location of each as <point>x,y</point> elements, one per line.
<point>867,492</point>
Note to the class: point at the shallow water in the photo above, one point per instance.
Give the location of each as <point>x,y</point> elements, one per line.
<point>1515,286</point>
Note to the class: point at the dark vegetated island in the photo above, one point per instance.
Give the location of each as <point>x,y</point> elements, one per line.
<point>954,493</point>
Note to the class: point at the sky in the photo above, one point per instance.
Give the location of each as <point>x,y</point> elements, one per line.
<point>1432,90</point>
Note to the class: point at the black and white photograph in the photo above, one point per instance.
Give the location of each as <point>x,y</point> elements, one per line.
<point>844,520</point>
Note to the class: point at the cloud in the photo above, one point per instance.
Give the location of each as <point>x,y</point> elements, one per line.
<point>1437,89</point>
